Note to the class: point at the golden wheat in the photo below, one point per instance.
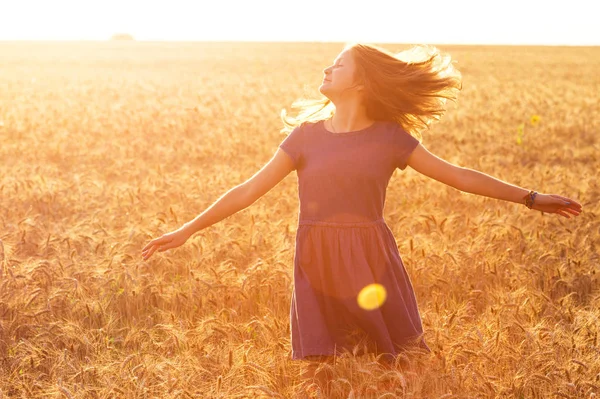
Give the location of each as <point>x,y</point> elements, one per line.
<point>105,145</point>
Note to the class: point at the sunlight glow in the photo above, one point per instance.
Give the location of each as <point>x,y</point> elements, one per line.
<point>436,21</point>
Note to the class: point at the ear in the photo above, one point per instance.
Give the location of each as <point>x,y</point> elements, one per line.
<point>359,85</point>
<point>359,81</point>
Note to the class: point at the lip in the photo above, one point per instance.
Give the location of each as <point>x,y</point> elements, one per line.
<point>326,80</point>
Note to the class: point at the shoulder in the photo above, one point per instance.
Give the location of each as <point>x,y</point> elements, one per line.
<point>391,128</point>
<point>388,126</point>
<point>394,127</point>
<point>306,128</point>
<point>310,125</point>
<point>400,133</point>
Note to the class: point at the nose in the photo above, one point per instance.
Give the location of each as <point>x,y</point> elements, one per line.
<point>327,70</point>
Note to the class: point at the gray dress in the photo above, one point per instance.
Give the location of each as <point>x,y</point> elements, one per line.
<point>343,243</point>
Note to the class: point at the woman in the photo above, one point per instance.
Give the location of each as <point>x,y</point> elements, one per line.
<point>350,285</point>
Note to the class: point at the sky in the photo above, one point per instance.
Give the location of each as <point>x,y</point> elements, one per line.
<point>516,22</point>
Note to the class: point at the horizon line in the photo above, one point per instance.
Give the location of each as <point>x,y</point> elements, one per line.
<point>287,41</point>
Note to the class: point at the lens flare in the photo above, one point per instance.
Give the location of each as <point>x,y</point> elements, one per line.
<point>372,296</point>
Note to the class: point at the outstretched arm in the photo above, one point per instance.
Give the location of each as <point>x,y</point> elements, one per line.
<point>233,201</point>
<point>475,182</point>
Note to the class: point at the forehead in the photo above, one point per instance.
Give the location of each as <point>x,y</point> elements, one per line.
<point>344,55</point>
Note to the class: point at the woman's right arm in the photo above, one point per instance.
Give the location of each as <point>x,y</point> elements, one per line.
<point>245,194</point>
<point>233,201</point>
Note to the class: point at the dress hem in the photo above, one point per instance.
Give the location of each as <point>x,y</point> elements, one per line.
<point>414,341</point>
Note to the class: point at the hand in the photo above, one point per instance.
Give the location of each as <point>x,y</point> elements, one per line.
<point>552,203</point>
<point>170,240</point>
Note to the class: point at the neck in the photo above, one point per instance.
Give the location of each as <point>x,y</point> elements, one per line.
<point>349,117</point>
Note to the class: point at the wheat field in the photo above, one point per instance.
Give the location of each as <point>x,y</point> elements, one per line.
<point>107,145</point>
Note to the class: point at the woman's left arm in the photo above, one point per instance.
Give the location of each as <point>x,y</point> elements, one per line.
<point>475,182</point>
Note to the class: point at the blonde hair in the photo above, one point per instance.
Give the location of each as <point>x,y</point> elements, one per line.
<point>410,88</point>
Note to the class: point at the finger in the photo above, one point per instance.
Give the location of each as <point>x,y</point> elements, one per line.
<point>164,247</point>
<point>563,201</point>
<point>154,247</point>
<point>151,243</point>
<point>572,211</point>
<point>158,241</point>
<point>570,201</point>
<point>575,206</point>
<point>150,252</point>
<point>144,253</point>
<point>149,246</point>
<point>562,197</point>
<point>563,213</point>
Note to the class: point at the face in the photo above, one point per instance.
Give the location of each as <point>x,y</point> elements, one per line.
<point>339,77</point>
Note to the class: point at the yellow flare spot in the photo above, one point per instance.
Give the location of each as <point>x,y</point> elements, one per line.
<point>372,296</point>
<point>535,119</point>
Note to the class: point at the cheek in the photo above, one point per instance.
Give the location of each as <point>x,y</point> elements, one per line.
<point>344,77</point>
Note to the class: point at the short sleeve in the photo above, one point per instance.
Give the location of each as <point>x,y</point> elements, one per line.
<point>403,144</point>
<point>293,145</point>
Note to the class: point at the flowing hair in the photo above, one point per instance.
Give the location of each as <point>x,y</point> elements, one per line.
<point>410,88</point>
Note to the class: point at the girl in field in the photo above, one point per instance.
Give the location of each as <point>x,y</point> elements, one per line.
<point>350,285</point>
